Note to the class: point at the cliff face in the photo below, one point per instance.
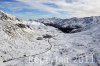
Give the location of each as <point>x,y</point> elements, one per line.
<point>24,43</point>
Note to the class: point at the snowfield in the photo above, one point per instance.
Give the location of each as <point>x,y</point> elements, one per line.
<point>25,43</point>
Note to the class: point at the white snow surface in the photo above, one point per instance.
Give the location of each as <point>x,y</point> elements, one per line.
<point>25,43</point>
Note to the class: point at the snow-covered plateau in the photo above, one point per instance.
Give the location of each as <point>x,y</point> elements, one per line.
<point>49,42</point>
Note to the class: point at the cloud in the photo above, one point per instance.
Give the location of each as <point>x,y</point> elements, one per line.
<point>13,6</point>
<point>81,8</point>
<point>38,4</point>
<point>63,8</point>
<point>75,8</point>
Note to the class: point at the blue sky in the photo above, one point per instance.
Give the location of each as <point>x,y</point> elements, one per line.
<point>34,9</point>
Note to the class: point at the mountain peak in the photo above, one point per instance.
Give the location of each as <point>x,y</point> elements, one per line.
<point>5,16</point>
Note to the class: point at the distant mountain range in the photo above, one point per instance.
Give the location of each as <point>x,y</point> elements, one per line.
<point>71,25</point>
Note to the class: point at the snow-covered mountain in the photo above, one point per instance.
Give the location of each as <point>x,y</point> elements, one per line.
<point>72,25</point>
<point>30,43</point>
<point>18,39</point>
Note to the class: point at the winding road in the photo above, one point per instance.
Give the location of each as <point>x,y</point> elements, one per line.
<point>31,55</point>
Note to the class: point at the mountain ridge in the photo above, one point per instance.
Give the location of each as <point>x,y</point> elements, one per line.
<point>72,25</point>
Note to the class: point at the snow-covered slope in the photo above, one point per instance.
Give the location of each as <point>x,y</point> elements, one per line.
<point>18,40</point>
<point>72,25</point>
<point>74,20</point>
<point>24,43</point>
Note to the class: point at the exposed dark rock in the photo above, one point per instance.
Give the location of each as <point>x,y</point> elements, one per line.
<point>61,65</point>
<point>67,29</point>
<point>53,63</point>
<point>70,29</point>
<point>47,36</point>
<point>21,25</point>
<point>39,38</point>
